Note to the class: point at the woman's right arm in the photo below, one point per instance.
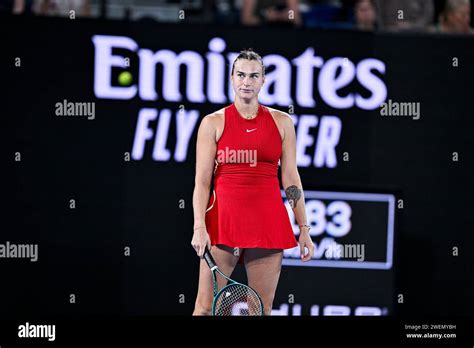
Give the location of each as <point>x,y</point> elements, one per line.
<point>205,155</point>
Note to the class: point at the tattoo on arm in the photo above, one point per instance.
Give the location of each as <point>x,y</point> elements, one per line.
<point>293,194</point>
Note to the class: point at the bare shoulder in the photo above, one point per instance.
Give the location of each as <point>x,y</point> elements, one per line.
<point>214,122</point>
<point>217,115</point>
<point>282,119</point>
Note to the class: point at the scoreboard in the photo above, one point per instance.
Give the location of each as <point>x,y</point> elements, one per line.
<point>353,234</point>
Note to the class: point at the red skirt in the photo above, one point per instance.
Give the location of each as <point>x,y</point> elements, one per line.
<point>246,209</point>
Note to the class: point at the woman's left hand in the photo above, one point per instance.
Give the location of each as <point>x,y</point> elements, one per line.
<point>305,241</point>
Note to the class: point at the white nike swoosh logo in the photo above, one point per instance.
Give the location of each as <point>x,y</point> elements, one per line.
<point>251,130</point>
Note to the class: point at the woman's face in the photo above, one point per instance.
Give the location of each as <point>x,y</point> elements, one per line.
<point>460,18</point>
<point>247,78</point>
<point>365,12</point>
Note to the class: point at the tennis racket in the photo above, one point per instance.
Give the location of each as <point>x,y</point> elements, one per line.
<point>234,299</point>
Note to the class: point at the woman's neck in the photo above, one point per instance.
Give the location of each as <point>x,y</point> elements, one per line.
<point>247,109</point>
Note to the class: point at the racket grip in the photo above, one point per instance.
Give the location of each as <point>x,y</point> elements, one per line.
<point>209,259</point>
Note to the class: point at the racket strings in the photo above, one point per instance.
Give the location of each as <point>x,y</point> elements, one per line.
<point>237,299</point>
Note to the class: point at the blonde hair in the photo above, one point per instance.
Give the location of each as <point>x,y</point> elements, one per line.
<point>249,54</point>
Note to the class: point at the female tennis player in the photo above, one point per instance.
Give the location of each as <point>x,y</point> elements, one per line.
<point>244,219</point>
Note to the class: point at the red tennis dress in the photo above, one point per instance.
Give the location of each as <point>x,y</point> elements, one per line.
<point>246,208</point>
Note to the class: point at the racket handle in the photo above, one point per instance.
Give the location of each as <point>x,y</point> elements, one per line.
<point>209,259</point>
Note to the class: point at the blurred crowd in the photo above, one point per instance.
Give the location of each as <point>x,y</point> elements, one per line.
<point>444,16</point>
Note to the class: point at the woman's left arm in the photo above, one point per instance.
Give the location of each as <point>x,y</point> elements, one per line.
<point>291,182</point>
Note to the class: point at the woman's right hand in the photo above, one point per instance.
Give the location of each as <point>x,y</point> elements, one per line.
<point>201,240</point>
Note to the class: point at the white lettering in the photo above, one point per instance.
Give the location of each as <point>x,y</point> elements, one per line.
<point>329,83</point>
<point>103,63</point>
